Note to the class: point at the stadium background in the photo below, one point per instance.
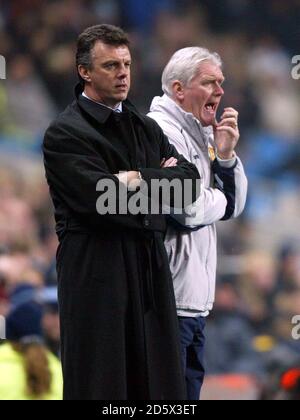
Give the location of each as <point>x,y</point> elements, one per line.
<point>249,341</point>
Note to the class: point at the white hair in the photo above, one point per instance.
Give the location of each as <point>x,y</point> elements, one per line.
<point>184,66</point>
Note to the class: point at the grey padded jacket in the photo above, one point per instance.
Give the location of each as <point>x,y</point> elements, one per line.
<point>192,249</point>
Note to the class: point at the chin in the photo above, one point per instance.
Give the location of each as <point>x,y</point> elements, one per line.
<point>122,97</point>
<point>207,122</point>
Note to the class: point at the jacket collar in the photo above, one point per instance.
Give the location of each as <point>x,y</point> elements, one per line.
<point>99,112</point>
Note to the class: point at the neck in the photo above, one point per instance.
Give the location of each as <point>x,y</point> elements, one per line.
<point>180,104</point>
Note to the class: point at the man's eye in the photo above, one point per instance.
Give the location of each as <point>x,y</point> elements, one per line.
<point>110,66</point>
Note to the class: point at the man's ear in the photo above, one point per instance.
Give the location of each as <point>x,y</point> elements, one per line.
<point>178,90</point>
<point>84,73</point>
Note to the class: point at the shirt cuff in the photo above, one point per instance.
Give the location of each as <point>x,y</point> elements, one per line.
<point>227,163</point>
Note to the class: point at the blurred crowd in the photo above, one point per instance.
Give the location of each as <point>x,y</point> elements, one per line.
<point>249,331</point>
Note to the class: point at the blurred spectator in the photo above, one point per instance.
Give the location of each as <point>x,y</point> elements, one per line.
<point>258,287</point>
<point>230,336</point>
<point>290,384</point>
<point>28,370</point>
<point>288,276</point>
<point>51,328</point>
<point>140,16</point>
<point>283,383</point>
<point>28,106</point>
<point>50,320</point>
<point>268,66</point>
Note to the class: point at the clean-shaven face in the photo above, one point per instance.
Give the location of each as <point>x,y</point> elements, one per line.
<point>203,94</point>
<point>110,74</point>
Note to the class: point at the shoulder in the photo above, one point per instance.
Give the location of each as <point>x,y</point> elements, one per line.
<point>148,123</point>
<point>171,128</point>
<point>54,362</point>
<point>57,378</point>
<point>152,128</point>
<point>151,123</point>
<point>7,353</point>
<point>67,118</point>
<point>68,125</point>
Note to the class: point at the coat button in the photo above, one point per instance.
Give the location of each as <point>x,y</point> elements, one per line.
<point>147,222</point>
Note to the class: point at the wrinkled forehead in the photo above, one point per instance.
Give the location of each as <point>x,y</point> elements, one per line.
<point>210,70</point>
<point>104,52</point>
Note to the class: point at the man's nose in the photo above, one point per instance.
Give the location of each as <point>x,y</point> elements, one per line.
<point>219,91</point>
<point>123,71</point>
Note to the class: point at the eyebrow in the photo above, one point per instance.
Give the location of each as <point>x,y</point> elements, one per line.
<point>213,78</point>
<point>108,62</point>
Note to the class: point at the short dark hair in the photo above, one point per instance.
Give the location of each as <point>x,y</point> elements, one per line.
<point>108,34</point>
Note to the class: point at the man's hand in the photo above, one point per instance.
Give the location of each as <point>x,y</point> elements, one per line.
<point>227,133</point>
<point>169,163</point>
<point>130,179</point>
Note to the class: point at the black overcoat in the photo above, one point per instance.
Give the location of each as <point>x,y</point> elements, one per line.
<point>118,319</point>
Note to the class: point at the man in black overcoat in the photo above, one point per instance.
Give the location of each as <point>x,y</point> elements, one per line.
<point>119,330</point>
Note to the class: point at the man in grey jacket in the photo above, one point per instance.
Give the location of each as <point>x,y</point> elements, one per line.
<point>192,84</point>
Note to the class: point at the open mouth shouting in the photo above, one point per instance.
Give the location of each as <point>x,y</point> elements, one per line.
<point>211,108</point>
<point>209,112</point>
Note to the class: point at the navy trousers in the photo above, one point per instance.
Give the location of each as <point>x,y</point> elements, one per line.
<point>192,342</point>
